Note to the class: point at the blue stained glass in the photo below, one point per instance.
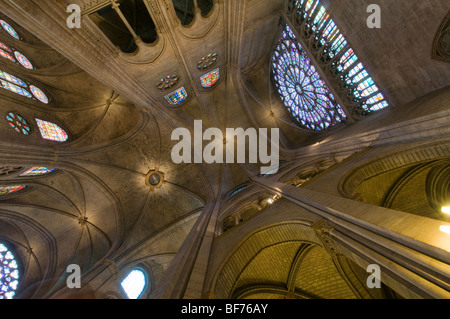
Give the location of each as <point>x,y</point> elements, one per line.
<point>9,29</point>
<point>23,60</point>
<point>352,72</point>
<point>320,15</point>
<point>375,99</point>
<point>16,85</point>
<point>329,29</point>
<point>338,44</point>
<point>51,131</point>
<point>378,106</point>
<point>369,91</point>
<point>177,96</point>
<point>14,88</point>
<point>18,123</point>
<point>302,90</point>
<point>308,6</point>
<point>38,94</point>
<point>37,171</point>
<point>11,78</point>
<point>9,273</point>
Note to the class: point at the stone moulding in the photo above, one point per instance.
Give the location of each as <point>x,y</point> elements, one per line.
<point>441,43</point>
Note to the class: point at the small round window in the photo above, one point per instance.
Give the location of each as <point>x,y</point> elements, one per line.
<point>9,273</point>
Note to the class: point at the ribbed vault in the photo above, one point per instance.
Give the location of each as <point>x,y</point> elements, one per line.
<point>98,211</point>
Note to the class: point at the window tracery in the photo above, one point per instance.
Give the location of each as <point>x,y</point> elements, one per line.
<point>18,86</point>
<point>301,88</point>
<point>51,131</point>
<point>177,97</point>
<point>210,79</point>
<point>18,123</point>
<point>347,84</point>
<point>9,273</point>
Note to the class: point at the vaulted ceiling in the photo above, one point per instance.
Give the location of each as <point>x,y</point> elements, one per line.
<point>97,206</point>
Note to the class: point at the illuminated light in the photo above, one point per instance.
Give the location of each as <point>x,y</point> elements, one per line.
<point>9,273</point>
<point>37,171</point>
<point>446,210</point>
<point>177,97</point>
<point>23,60</point>
<point>5,47</point>
<point>346,63</point>
<point>18,123</point>
<point>207,61</point>
<point>210,79</point>
<point>134,284</point>
<point>9,29</point>
<point>15,88</point>
<point>51,131</point>
<point>6,55</point>
<point>303,92</point>
<point>38,94</point>
<point>445,229</point>
<point>6,190</point>
<point>273,199</point>
<point>167,82</point>
<point>11,78</point>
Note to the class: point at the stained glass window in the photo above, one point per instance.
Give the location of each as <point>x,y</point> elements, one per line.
<point>6,55</point>
<point>167,82</point>
<point>210,79</point>
<point>301,88</point>
<point>11,78</point>
<point>4,47</point>
<point>6,190</point>
<point>23,60</point>
<point>177,96</point>
<point>37,171</point>
<point>39,94</point>
<point>339,55</point>
<point>14,88</point>
<point>9,29</point>
<point>134,284</point>
<point>51,131</point>
<point>18,123</point>
<point>207,61</point>
<point>9,273</point>
<point>16,85</point>
<point>6,52</point>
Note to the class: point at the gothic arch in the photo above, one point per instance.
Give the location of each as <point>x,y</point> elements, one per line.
<point>441,43</point>
<point>417,172</point>
<point>288,260</point>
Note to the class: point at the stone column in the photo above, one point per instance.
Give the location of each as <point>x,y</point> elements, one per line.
<point>87,47</point>
<point>412,252</point>
<point>185,277</point>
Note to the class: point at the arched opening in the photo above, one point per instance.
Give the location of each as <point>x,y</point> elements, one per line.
<point>184,10</point>
<point>205,6</point>
<point>134,284</point>
<point>124,22</point>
